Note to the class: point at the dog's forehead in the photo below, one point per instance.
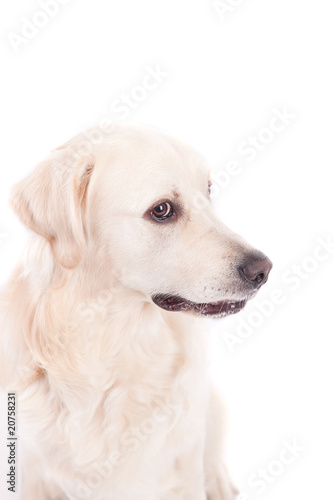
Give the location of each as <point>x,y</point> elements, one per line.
<point>156,162</point>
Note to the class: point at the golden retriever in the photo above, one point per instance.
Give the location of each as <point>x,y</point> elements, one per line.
<point>102,336</point>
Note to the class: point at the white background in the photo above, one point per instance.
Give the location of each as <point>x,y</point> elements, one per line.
<point>225,76</point>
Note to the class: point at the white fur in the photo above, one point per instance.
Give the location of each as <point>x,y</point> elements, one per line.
<point>115,401</point>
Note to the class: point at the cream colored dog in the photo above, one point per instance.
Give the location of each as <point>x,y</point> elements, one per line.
<point>100,336</point>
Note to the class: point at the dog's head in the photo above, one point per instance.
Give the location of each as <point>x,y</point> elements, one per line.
<point>143,198</point>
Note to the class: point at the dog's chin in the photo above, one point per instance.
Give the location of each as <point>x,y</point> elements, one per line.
<point>211,309</point>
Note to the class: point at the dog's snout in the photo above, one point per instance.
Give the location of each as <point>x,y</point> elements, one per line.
<point>255,270</point>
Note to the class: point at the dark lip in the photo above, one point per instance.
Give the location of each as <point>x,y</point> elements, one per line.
<point>213,309</point>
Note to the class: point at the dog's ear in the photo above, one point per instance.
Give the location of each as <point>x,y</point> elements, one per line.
<point>51,201</point>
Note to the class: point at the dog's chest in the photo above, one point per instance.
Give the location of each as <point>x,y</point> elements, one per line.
<point>151,383</point>
<point>152,413</point>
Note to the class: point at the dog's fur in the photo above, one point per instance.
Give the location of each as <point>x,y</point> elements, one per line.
<point>115,401</point>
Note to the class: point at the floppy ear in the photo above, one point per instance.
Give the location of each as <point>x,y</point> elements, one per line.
<point>51,200</point>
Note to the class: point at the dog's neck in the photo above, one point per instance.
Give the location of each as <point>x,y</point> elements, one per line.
<point>86,337</point>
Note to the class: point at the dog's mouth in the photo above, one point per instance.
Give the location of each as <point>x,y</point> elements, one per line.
<point>213,309</point>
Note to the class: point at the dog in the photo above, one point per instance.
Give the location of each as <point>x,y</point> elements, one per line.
<point>103,336</point>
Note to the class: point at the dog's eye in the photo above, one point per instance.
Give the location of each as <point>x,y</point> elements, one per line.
<point>162,211</point>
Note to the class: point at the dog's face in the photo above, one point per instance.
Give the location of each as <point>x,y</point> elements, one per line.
<point>157,220</point>
<point>146,203</point>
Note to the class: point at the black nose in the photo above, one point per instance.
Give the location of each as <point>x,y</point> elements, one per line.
<point>255,270</point>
